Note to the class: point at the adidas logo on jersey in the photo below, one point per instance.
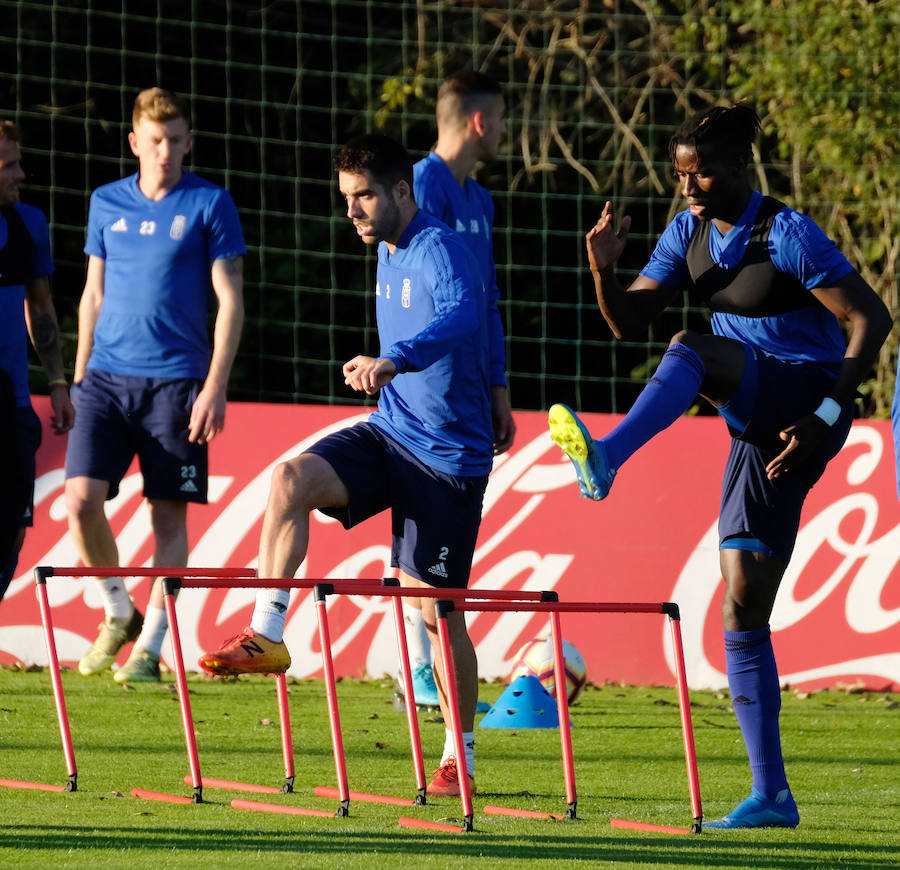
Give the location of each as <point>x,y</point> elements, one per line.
<point>189,486</point>
<point>120,226</point>
<point>438,570</point>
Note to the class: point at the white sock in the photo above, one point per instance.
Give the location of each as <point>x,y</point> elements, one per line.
<point>270,613</point>
<point>155,625</point>
<point>450,748</point>
<point>417,641</point>
<point>116,600</point>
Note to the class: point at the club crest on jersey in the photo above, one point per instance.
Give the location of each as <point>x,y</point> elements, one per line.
<point>406,293</point>
<point>176,231</point>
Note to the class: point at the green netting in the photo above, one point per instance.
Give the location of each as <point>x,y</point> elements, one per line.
<point>593,90</point>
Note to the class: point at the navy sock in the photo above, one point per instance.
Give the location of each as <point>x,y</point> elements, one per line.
<point>756,698</point>
<point>668,394</point>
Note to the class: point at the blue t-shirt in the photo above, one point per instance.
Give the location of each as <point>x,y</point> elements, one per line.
<point>431,311</point>
<point>797,247</point>
<point>13,330</point>
<point>469,210</point>
<point>153,320</point>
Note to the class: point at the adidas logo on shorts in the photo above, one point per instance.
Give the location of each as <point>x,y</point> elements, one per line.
<point>438,570</point>
<point>189,486</point>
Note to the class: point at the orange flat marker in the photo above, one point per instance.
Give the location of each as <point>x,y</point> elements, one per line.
<point>646,826</point>
<point>525,814</point>
<point>160,796</point>
<point>328,792</point>
<point>234,786</point>
<point>41,786</point>
<point>261,807</point>
<point>406,822</point>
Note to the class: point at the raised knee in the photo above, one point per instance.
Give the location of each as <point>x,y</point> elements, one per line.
<point>684,336</point>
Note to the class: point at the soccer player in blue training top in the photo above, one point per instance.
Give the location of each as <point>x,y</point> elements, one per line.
<point>26,308</point>
<point>157,242</point>
<point>777,369</point>
<point>425,452</point>
<point>471,126</point>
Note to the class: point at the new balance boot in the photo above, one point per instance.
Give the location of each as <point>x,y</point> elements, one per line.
<point>247,653</point>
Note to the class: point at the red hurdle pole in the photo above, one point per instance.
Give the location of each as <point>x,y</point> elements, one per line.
<point>415,738</point>
<point>170,586</point>
<point>334,717</point>
<point>441,609</point>
<point>40,579</point>
<point>287,742</point>
<point>687,728</point>
<point>562,705</point>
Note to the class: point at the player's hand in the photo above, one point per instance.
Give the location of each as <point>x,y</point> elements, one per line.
<point>62,417</point>
<point>501,414</point>
<point>802,438</point>
<point>365,374</point>
<point>207,415</point>
<point>604,245</point>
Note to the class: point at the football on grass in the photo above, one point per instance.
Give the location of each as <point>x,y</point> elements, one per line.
<point>535,659</point>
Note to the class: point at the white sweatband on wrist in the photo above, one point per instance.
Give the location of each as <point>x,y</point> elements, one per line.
<point>829,411</point>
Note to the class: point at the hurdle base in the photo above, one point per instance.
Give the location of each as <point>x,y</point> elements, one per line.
<point>144,794</point>
<point>522,814</point>
<point>288,785</point>
<point>407,822</point>
<point>38,786</point>
<point>647,826</point>
<point>72,784</point>
<point>697,825</point>
<point>571,810</point>
<point>421,797</point>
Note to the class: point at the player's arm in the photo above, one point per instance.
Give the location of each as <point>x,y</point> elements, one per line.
<point>208,412</point>
<point>43,328</point>
<point>627,311</point>
<point>88,313</point>
<point>852,300</point>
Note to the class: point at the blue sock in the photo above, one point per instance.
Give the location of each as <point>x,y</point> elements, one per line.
<point>756,698</point>
<point>668,394</point>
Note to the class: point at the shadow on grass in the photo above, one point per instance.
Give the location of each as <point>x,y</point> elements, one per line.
<point>679,852</point>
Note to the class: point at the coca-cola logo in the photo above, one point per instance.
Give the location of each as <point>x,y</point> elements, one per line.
<point>643,543</point>
<point>838,606</point>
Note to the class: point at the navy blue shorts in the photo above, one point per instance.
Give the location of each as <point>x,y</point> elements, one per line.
<point>772,395</point>
<point>118,417</point>
<point>20,437</point>
<point>434,516</point>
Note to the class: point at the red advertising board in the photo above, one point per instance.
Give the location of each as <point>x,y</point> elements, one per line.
<point>837,618</point>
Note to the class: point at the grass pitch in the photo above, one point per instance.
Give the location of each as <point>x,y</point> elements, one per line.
<point>841,747</point>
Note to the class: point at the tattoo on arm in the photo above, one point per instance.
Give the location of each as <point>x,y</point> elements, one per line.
<point>45,335</point>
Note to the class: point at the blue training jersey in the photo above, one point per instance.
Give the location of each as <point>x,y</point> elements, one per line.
<point>431,311</point>
<point>469,210</point>
<point>17,264</point>
<point>153,320</point>
<point>797,247</point>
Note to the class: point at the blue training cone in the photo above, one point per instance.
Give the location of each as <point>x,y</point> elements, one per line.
<point>524,704</point>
